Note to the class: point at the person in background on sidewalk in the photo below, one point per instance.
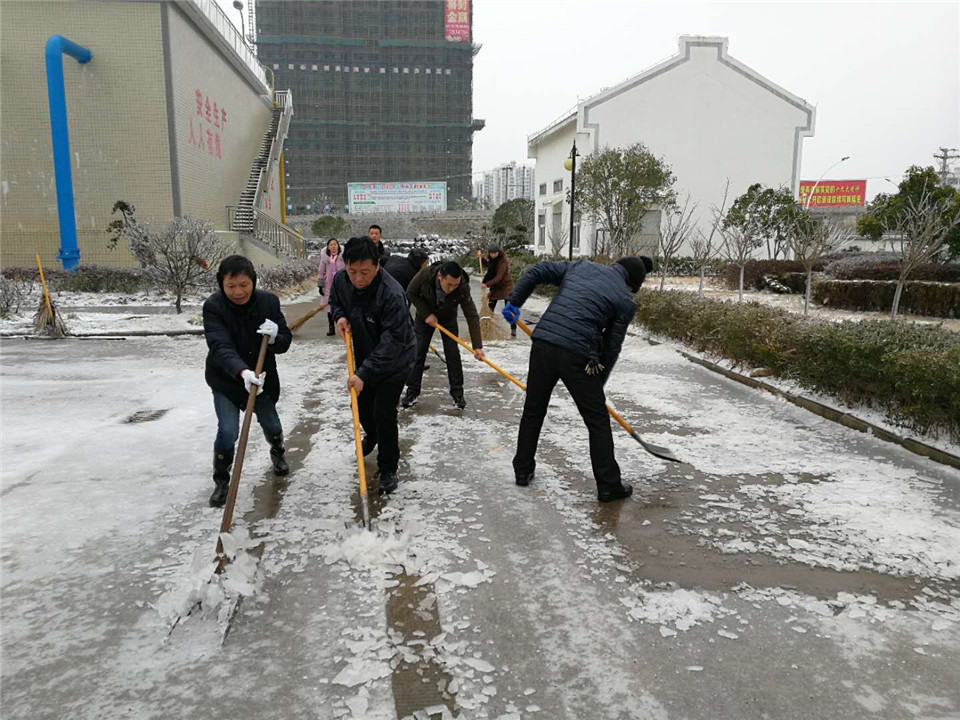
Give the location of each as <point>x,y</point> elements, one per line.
<point>497,280</point>
<point>376,236</point>
<point>404,269</point>
<point>369,303</point>
<point>234,321</point>
<point>436,292</point>
<point>577,341</point>
<point>331,262</point>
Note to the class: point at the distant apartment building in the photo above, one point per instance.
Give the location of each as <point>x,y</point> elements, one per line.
<point>507,182</point>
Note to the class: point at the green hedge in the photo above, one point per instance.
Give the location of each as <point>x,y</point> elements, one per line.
<point>87,278</point>
<point>910,372</point>
<point>919,298</point>
<point>754,271</point>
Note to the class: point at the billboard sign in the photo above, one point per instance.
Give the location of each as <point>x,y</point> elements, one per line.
<point>409,197</point>
<point>834,193</point>
<point>456,20</point>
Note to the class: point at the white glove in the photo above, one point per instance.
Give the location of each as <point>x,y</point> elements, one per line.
<point>250,379</point>
<point>270,328</point>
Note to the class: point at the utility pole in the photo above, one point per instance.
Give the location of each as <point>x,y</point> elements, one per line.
<point>945,156</point>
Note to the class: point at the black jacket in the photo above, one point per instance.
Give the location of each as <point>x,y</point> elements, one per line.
<point>383,339</point>
<point>231,333</point>
<point>422,292</point>
<point>591,312</point>
<point>401,268</point>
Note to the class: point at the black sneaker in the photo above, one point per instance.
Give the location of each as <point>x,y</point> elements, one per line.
<point>409,400</point>
<point>388,483</point>
<point>367,445</point>
<point>605,496</point>
<point>459,401</point>
<point>523,479</point>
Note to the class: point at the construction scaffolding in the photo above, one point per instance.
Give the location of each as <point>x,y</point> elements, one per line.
<point>382,96</point>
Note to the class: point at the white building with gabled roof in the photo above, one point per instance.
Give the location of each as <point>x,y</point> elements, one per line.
<point>708,115</point>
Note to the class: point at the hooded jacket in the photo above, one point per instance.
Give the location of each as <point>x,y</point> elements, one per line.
<point>591,312</point>
<point>422,293</point>
<point>234,344</point>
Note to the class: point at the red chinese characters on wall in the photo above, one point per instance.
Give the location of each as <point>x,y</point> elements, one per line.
<point>208,125</point>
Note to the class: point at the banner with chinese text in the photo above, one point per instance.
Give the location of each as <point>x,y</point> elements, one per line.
<point>456,23</point>
<point>834,193</point>
<point>397,197</point>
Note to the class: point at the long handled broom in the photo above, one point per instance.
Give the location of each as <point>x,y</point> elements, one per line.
<point>361,469</point>
<point>47,320</point>
<point>300,321</point>
<point>657,450</point>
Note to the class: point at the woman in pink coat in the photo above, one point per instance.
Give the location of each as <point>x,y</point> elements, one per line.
<point>331,263</point>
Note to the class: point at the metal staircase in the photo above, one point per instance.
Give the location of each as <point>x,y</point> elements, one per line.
<point>245,218</point>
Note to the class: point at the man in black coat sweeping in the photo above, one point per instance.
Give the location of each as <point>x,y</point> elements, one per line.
<point>234,321</point>
<point>368,302</point>
<point>404,269</point>
<point>577,341</point>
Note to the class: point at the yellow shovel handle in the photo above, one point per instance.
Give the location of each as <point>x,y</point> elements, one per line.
<point>503,372</point>
<point>361,470</point>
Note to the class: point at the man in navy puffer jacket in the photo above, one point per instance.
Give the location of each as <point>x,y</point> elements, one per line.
<point>577,341</point>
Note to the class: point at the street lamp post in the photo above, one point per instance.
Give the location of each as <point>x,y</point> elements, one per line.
<point>571,164</point>
<point>243,30</point>
<point>806,205</point>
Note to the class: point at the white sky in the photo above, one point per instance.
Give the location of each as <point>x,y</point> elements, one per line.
<point>885,76</point>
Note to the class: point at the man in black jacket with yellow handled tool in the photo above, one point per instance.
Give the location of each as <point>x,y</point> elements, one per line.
<point>234,321</point>
<point>577,340</point>
<point>369,303</point>
<point>436,292</point>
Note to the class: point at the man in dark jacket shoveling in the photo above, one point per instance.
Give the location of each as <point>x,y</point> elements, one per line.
<point>234,321</point>
<point>577,341</point>
<point>368,302</point>
<point>436,292</point>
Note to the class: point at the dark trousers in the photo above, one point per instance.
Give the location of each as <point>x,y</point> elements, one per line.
<point>377,405</point>
<point>451,352</point>
<point>228,420</point>
<point>492,304</point>
<point>548,364</point>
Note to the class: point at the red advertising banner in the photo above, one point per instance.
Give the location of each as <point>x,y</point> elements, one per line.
<point>834,193</point>
<point>456,24</point>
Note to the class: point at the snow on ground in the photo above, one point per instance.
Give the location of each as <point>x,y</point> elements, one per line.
<point>511,602</point>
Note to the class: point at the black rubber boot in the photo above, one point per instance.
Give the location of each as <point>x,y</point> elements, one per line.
<point>221,476</point>
<point>523,479</point>
<point>459,400</point>
<point>333,329</point>
<point>280,466</point>
<point>409,399</point>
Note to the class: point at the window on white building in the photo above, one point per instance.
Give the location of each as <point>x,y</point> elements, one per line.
<point>542,229</point>
<point>558,185</point>
<point>576,232</point>
<point>543,188</point>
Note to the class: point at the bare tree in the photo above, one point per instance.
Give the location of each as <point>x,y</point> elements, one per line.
<point>810,240</point>
<point>702,247</point>
<point>182,256</point>
<point>677,228</point>
<point>558,239</point>
<point>922,227</point>
<point>740,241</point>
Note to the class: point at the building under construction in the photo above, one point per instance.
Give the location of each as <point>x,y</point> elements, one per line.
<point>384,92</point>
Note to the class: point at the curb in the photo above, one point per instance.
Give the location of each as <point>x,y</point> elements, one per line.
<point>105,335</point>
<point>825,411</point>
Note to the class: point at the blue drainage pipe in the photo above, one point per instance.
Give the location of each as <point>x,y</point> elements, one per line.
<point>57,47</point>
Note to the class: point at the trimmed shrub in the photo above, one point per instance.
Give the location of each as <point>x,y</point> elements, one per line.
<point>754,271</point>
<point>919,298</point>
<point>688,267</point>
<point>87,278</point>
<point>910,372</point>
<point>281,277</point>
<point>887,266</point>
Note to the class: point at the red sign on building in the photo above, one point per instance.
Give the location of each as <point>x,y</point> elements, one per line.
<point>456,22</point>
<point>211,121</point>
<point>834,193</point>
